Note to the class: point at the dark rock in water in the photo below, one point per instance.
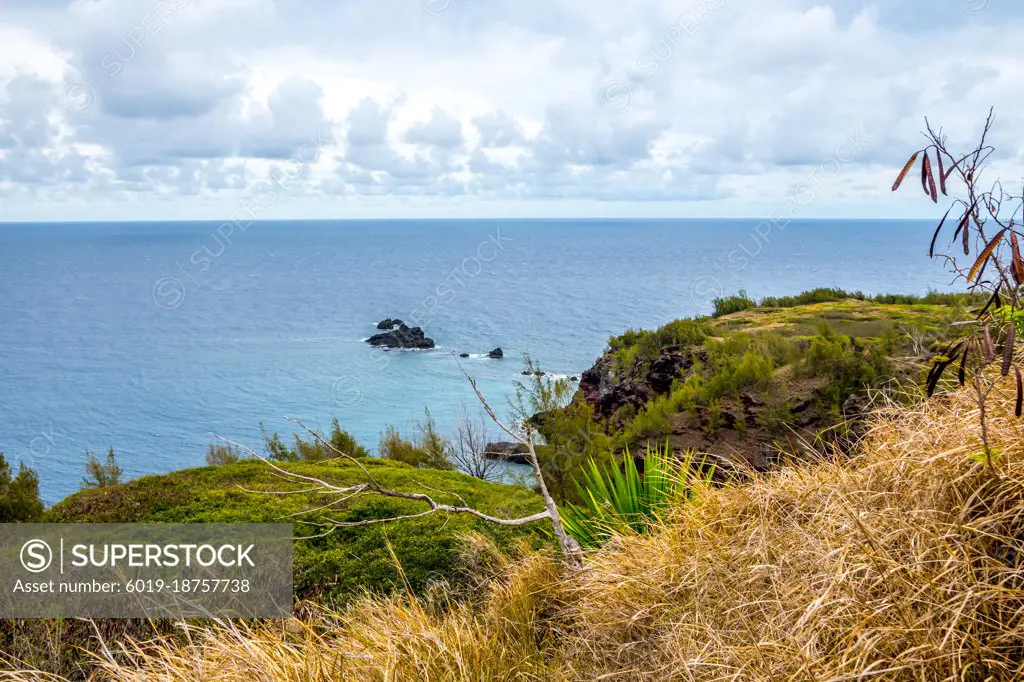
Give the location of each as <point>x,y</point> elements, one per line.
<point>574,378</point>
<point>463,355</point>
<point>507,451</point>
<point>538,373</point>
<point>390,324</point>
<point>402,337</point>
<point>496,353</point>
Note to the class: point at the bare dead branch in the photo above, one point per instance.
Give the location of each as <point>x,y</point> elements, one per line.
<point>571,552</point>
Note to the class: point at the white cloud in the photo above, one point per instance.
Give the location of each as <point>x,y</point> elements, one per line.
<point>561,107</point>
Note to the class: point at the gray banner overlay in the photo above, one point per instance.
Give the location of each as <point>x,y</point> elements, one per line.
<point>145,570</point>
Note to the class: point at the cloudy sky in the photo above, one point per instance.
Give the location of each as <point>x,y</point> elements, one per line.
<point>193,109</point>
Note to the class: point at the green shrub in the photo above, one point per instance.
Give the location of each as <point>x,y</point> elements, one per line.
<point>313,450</point>
<point>740,426</point>
<point>681,333</point>
<point>732,304</point>
<point>831,294</point>
<point>568,434</point>
<point>633,349</point>
<point>735,374</point>
<point>19,494</point>
<point>848,366</point>
<point>430,451</point>
<point>652,421</point>
<point>619,501</point>
<point>818,295</point>
<point>397,449</point>
<point>777,415</point>
<point>222,453</point>
<point>626,413</point>
<point>436,446</point>
<point>715,417</point>
<point>100,474</point>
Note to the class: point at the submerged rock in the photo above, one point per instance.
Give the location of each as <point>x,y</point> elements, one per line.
<point>496,353</point>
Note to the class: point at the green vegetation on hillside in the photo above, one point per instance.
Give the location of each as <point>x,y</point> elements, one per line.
<point>345,562</point>
<point>313,450</point>
<point>430,450</point>
<point>903,564</point>
<point>741,301</point>
<point>19,494</point>
<point>754,373</point>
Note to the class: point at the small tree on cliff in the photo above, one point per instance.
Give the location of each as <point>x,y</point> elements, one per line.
<point>987,220</point>
<point>19,494</point>
<point>101,473</point>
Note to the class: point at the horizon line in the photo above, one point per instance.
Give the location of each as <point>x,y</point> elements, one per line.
<point>455,219</point>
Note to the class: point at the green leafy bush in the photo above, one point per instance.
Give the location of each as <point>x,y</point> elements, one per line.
<point>633,349</point>
<point>621,500</point>
<point>777,415</point>
<point>732,304</point>
<point>19,494</point>
<point>397,449</point>
<point>431,450</point>
<point>848,365</point>
<point>818,295</point>
<point>731,374</point>
<point>653,420</point>
<point>222,453</point>
<point>313,450</point>
<point>740,301</point>
<point>101,473</point>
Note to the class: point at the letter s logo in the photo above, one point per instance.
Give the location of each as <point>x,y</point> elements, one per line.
<point>36,556</point>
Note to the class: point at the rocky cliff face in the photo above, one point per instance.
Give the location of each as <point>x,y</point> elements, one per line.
<point>739,430</point>
<point>607,392</point>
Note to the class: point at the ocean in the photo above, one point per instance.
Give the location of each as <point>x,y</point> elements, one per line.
<point>152,337</point>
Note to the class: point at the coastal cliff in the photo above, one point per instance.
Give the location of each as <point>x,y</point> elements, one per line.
<point>749,385</point>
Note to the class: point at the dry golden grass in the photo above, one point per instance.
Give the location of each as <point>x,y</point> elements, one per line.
<point>905,564</point>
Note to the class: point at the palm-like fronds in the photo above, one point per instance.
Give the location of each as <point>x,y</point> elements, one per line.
<point>622,501</point>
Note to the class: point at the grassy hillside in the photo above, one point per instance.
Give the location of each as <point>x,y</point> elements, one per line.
<point>756,379</point>
<point>903,564</point>
<point>350,560</point>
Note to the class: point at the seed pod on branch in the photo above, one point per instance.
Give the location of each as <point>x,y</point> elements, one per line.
<point>1017,264</point>
<point>931,249</point>
<point>990,349</point>
<point>1020,392</point>
<point>926,172</point>
<point>962,374</point>
<point>985,255</point>
<point>964,230</point>
<point>942,172</point>
<point>1008,349</point>
<point>903,173</point>
<point>925,163</point>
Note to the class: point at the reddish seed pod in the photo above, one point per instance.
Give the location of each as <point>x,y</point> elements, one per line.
<point>1008,349</point>
<point>990,349</point>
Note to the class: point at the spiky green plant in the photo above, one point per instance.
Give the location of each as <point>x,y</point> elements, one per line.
<point>619,500</point>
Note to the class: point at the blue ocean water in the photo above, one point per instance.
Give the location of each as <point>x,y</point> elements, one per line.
<point>150,337</point>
